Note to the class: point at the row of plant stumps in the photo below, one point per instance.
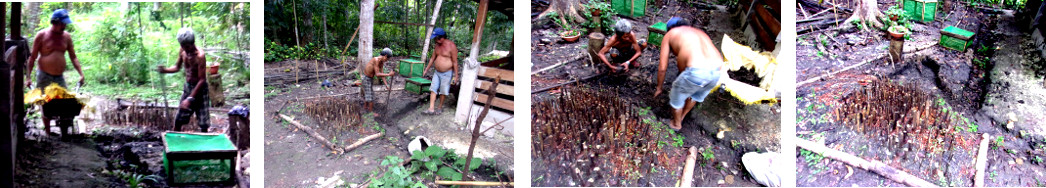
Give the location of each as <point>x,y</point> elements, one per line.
<point>597,139</point>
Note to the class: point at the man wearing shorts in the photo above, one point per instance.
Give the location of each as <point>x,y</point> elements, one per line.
<point>444,58</point>
<point>700,67</point>
<point>49,48</point>
<point>627,46</point>
<point>194,99</point>
<point>370,71</point>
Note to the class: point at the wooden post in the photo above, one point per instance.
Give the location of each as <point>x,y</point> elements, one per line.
<point>595,43</point>
<point>479,120</point>
<point>19,70</point>
<point>7,133</point>
<point>896,50</point>
<point>471,68</point>
<point>365,45</point>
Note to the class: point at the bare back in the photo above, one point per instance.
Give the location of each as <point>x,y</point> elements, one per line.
<point>445,56</point>
<point>373,67</point>
<point>51,47</point>
<point>195,66</point>
<point>693,48</point>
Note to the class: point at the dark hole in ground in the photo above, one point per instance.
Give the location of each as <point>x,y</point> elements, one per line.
<point>746,75</point>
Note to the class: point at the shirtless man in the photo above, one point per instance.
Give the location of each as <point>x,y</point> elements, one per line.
<point>629,49</point>
<point>49,48</point>
<point>700,67</point>
<point>370,71</point>
<point>194,95</point>
<point>444,57</point>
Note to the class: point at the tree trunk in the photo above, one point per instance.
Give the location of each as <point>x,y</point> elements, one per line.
<point>366,32</point>
<point>294,10</point>
<point>428,32</point>
<point>568,11</point>
<point>33,18</point>
<point>867,14</point>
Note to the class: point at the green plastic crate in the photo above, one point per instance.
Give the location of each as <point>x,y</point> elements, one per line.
<point>638,7</point>
<point>955,38</point>
<point>417,85</point>
<point>199,158</point>
<point>656,35</point>
<point>921,10</point>
<point>411,67</point>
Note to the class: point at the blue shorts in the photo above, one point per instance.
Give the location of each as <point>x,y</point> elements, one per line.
<point>441,82</point>
<point>692,83</point>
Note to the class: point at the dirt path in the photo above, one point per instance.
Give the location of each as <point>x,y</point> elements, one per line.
<point>54,163</point>
<point>977,95</point>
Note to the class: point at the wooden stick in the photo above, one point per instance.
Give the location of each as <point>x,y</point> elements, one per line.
<point>312,133</point>
<point>474,183</point>
<point>479,120</point>
<point>982,157</point>
<point>811,80</point>
<point>871,165</point>
<point>565,83</point>
<point>688,170</point>
<point>362,141</point>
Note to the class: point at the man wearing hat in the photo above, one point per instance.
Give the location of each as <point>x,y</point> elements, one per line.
<point>444,58</point>
<point>49,48</point>
<point>194,98</point>
<point>371,71</point>
<point>700,67</point>
<point>628,48</point>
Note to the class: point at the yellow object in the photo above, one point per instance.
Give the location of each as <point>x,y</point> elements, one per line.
<point>739,56</point>
<point>53,91</point>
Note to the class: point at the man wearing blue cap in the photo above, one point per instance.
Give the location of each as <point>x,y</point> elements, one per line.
<point>49,48</point>
<point>444,57</point>
<point>628,48</point>
<point>700,67</point>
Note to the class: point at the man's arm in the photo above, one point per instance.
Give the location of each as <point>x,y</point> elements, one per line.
<point>177,64</point>
<point>34,53</point>
<point>454,58</point>
<point>429,64</point>
<point>72,56</point>
<point>604,50</point>
<point>381,69</point>
<point>662,66</point>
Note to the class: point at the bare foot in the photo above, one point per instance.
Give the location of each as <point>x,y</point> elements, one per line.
<point>675,127</point>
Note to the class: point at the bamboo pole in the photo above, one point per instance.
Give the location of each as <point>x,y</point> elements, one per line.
<point>311,132</point>
<point>362,141</point>
<point>688,170</point>
<point>871,165</point>
<point>474,183</point>
<point>982,157</point>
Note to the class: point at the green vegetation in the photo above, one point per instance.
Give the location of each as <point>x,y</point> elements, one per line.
<point>314,29</point>
<point>605,17</point>
<point>395,176</point>
<point>708,155</point>
<point>120,44</point>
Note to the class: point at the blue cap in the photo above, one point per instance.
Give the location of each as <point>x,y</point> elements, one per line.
<point>61,15</point>
<point>438,32</point>
<point>675,21</point>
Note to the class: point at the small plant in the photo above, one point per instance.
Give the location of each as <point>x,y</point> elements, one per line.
<point>999,141</point>
<point>708,154</point>
<point>894,12</point>
<point>677,138</point>
<point>396,176</point>
<point>605,16</point>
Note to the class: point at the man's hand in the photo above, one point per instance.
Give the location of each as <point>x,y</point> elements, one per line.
<point>454,79</point>
<point>657,92</point>
<point>625,65</point>
<point>82,82</point>
<point>28,84</point>
<point>184,105</point>
<point>159,68</point>
<point>613,68</point>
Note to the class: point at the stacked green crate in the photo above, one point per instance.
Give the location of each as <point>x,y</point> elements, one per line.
<point>955,38</point>
<point>630,8</point>
<point>656,33</point>
<point>417,85</point>
<point>921,10</point>
<point>411,67</point>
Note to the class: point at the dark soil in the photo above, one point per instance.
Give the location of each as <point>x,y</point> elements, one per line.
<point>960,83</point>
<point>293,159</point>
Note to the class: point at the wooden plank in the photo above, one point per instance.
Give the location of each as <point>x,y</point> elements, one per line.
<point>498,102</point>
<point>502,88</point>
<point>489,72</point>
